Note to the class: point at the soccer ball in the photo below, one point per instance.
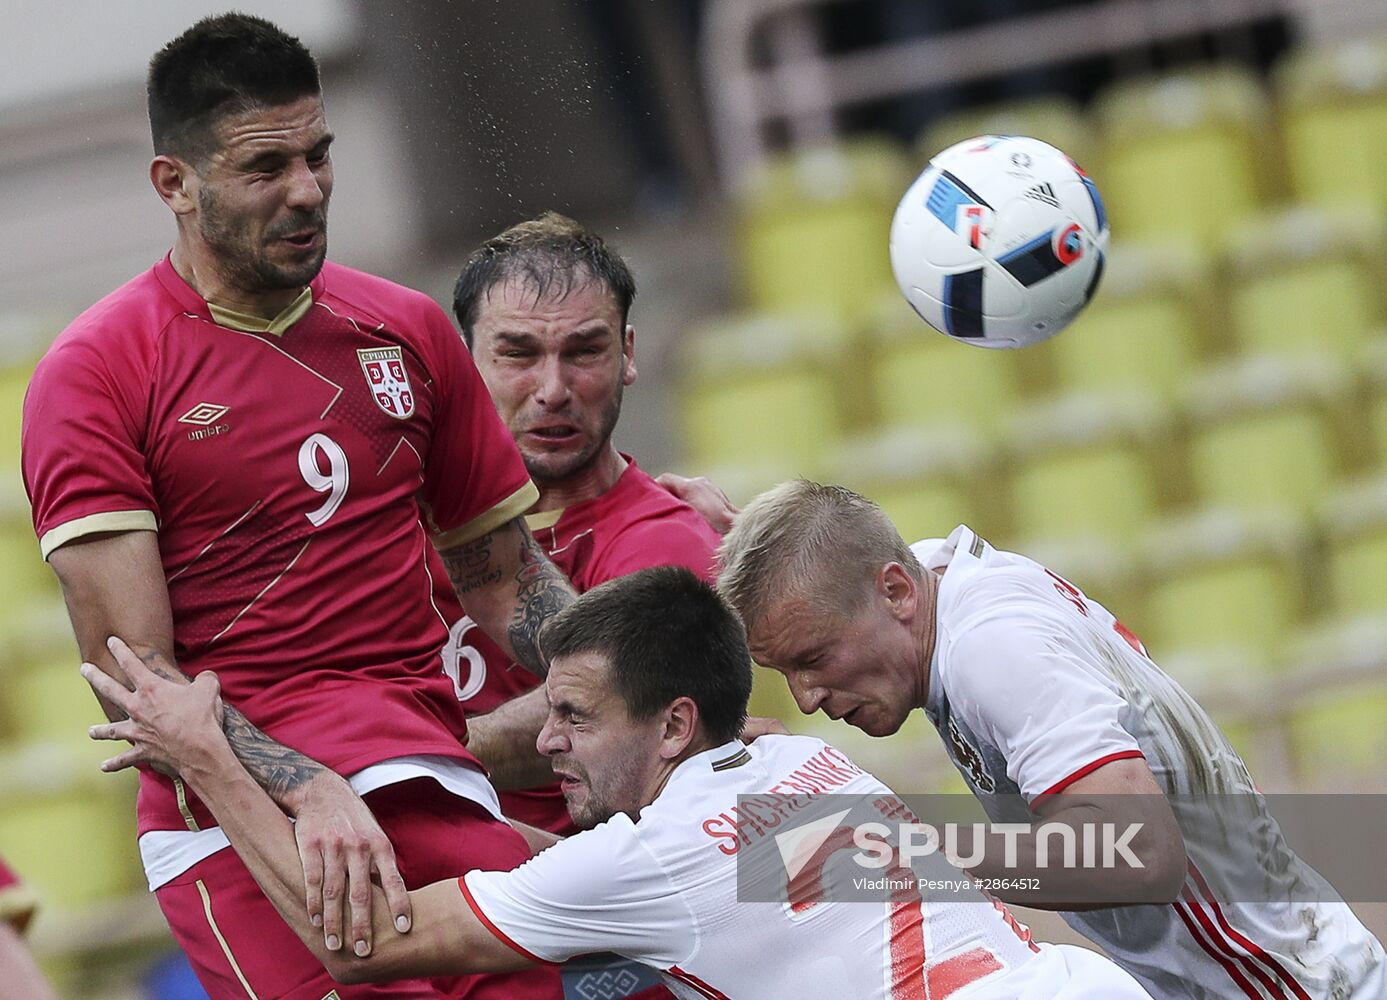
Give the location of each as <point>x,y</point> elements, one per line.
<point>1000,242</point>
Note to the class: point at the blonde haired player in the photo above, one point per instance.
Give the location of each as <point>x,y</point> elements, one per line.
<point>1042,695</point>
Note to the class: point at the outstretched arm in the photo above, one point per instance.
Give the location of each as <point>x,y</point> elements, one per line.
<point>114,585</point>
<point>178,726</point>
<point>510,588</point>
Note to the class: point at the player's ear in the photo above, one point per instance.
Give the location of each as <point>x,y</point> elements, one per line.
<point>174,181</point>
<point>680,727</point>
<point>628,355</point>
<point>899,589</point>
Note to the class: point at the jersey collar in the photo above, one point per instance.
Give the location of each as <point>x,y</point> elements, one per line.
<point>187,297</point>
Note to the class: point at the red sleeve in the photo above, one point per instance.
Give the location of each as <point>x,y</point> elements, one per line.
<point>17,903</point>
<point>84,470</point>
<point>664,542</point>
<point>474,478</point>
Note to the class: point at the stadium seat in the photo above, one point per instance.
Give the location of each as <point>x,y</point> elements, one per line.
<point>1144,329</point>
<point>69,828</point>
<point>1055,120</point>
<point>764,391</point>
<point>1372,365</point>
<point>1353,523</point>
<point>1264,433</point>
<point>1306,281</point>
<point>813,227</point>
<point>1334,116</point>
<point>928,480</point>
<point>1224,580</point>
<point>1180,153</point>
<point>920,376</point>
<point>1339,730</point>
<point>1087,466</point>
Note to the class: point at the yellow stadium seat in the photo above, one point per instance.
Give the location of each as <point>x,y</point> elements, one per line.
<point>1372,364</point>
<point>928,480</point>
<point>14,380</point>
<point>69,828</point>
<point>26,576</point>
<point>1353,523</point>
<point>1180,153</point>
<point>1055,120</point>
<point>920,376</point>
<point>1220,580</point>
<point>1143,330</point>
<point>813,227</point>
<point>1087,466</point>
<point>1339,732</point>
<point>1334,115</point>
<point>1264,435</point>
<point>1306,281</point>
<point>764,391</point>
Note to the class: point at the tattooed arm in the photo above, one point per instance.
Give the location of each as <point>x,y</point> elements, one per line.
<point>510,588</point>
<point>114,585</point>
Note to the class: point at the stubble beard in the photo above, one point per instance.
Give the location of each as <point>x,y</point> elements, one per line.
<point>545,473</point>
<point>246,264</point>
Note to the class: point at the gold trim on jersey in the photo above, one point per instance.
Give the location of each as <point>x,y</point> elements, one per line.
<point>17,905</point>
<point>111,520</point>
<point>181,792</point>
<point>247,323</point>
<point>507,510</point>
<point>543,519</point>
<point>226,948</point>
<point>739,758</point>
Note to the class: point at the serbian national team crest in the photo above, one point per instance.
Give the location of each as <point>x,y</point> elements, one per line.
<point>385,374</point>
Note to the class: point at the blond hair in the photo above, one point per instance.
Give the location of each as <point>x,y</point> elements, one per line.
<point>824,544</point>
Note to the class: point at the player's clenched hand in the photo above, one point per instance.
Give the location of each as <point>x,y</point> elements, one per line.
<point>170,724</point>
<point>341,845</point>
<point>704,496</point>
<point>758,725</point>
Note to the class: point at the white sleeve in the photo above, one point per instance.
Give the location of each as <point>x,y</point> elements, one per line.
<point>1033,689</point>
<point>599,890</point>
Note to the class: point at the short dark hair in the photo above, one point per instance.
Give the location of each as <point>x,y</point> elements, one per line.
<point>666,635</point>
<point>222,65</point>
<point>543,251</point>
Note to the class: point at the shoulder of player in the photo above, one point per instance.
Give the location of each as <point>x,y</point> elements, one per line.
<point>117,333</point>
<point>377,300</point>
<point>647,523</point>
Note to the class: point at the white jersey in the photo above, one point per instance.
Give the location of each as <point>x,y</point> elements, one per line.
<point>663,891</point>
<point>1033,685</point>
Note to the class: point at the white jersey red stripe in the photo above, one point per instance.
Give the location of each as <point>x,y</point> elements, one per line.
<point>1034,685</point>
<point>664,890</point>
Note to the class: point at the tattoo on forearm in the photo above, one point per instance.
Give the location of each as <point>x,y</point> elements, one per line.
<point>469,565</point>
<point>275,768</point>
<point>541,592</point>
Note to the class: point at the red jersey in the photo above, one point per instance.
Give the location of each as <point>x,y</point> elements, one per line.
<point>17,902</point>
<point>295,475</point>
<point>635,524</point>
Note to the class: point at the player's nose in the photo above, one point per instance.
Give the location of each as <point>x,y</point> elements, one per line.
<point>807,699</point>
<point>305,190</point>
<point>551,384</point>
<point>550,741</point>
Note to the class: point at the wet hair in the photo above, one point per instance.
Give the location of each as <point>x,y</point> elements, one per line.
<point>824,544</point>
<point>665,635</point>
<point>551,252</point>
<point>221,66</point>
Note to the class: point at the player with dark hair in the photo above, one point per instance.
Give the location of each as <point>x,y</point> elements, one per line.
<point>648,684</point>
<point>544,307</point>
<point>288,473</point>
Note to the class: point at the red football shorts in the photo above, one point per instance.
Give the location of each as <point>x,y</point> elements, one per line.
<point>240,948</point>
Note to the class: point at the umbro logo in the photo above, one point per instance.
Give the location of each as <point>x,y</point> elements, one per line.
<point>204,414</point>
<point>1045,193</point>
